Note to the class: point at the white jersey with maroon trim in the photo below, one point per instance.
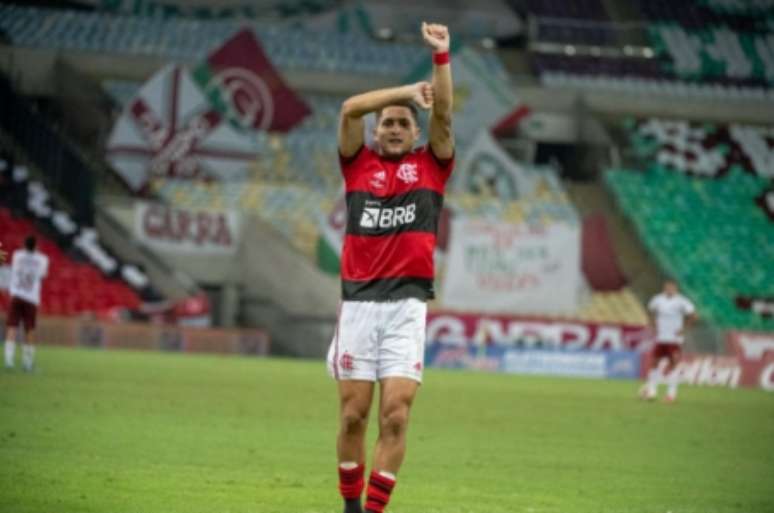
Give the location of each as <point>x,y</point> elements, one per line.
<point>670,312</point>
<point>28,268</point>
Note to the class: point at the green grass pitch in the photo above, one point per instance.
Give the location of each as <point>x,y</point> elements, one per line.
<point>115,432</point>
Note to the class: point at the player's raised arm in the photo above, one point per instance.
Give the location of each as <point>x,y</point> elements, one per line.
<point>3,254</point>
<point>440,133</point>
<point>351,124</point>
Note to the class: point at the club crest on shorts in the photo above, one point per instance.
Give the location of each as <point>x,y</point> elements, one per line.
<point>346,362</point>
<point>407,173</point>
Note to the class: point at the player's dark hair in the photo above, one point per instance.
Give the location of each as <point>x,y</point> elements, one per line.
<point>30,242</point>
<point>408,104</point>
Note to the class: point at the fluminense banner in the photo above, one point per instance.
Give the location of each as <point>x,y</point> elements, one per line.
<point>487,169</point>
<point>203,124</point>
<point>243,85</point>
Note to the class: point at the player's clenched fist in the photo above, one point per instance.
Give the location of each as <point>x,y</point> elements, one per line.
<point>423,95</point>
<point>436,36</point>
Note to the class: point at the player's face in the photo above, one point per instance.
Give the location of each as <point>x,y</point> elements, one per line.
<point>396,131</point>
<point>670,288</point>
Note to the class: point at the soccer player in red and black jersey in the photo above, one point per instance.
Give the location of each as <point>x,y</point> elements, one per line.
<point>394,196</point>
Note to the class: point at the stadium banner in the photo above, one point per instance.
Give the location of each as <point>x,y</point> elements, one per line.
<point>203,124</point>
<point>487,169</point>
<point>182,230</point>
<point>465,330</point>
<point>544,362</point>
<point>332,230</point>
<point>73,332</point>
<point>245,88</point>
<point>170,130</point>
<point>504,267</point>
<point>755,353</point>
<point>709,370</point>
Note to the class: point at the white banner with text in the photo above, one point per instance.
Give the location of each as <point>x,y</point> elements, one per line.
<point>501,267</point>
<point>185,230</point>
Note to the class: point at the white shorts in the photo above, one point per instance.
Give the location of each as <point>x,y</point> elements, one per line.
<point>379,339</point>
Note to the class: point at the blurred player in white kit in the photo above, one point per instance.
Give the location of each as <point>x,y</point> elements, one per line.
<point>28,269</point>
<point>670,313</point>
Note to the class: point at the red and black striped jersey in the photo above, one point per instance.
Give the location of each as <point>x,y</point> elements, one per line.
<point>393,211</point>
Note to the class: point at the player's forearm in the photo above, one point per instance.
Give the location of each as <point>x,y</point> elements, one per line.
<point>372,101</point>
<point>443,90</point>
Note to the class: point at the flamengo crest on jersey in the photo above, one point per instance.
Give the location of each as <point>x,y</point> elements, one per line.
<point>408,173</point>
<point>393,211</point>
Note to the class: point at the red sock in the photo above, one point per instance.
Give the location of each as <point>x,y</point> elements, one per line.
<point>351,482</point>
<point>379,490</point>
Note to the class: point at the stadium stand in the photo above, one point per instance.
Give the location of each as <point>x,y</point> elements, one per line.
<point>634,76</point>
<point>694,50</point>
<point>697,42</point>
<point>66,170</point>
<point>693,205</point>
<point>578,21</point>
<point>72,287</point>
<point>190,39</point>
<point>736,7</point>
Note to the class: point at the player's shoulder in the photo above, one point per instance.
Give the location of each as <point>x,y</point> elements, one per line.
<point>425,151</point>
<point>425,155</point>
<point>363,154</point>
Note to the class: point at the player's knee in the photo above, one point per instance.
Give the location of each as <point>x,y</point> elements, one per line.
<point>354,420</point>
<point>394,421</point>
